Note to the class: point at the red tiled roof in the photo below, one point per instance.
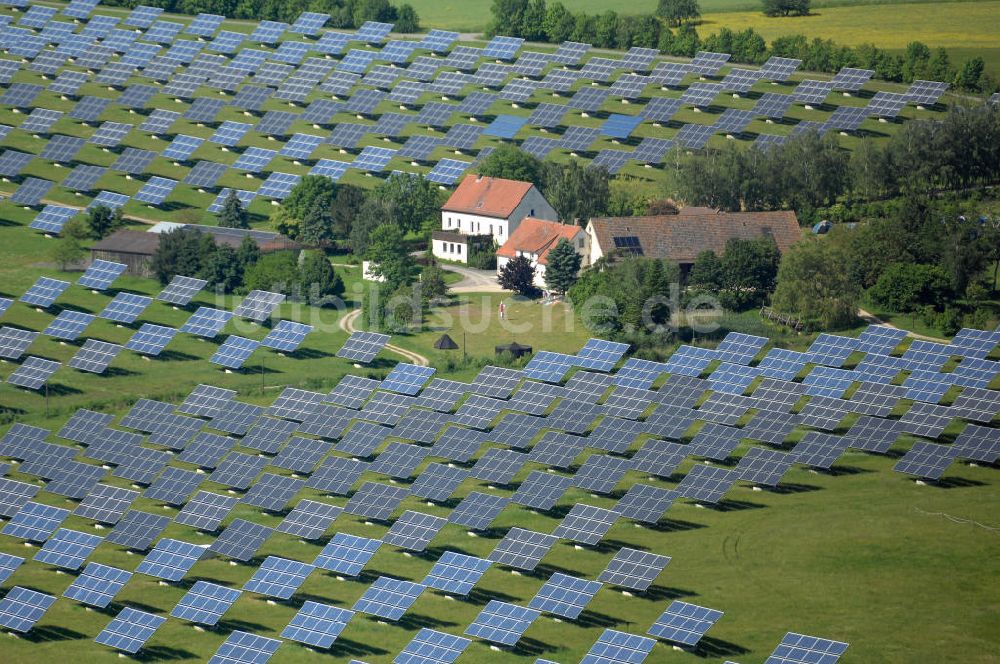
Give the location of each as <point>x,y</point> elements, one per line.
<point>538,237</point>
<point>489,197</point>
<point>681,237</point>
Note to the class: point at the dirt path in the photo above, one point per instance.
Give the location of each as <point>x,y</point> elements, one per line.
<point>473,281</point>
<point>869,317</point>
<point>347,325</point>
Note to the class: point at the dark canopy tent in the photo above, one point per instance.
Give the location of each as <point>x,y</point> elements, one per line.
<point>514,348</point>
<point>445,343</point>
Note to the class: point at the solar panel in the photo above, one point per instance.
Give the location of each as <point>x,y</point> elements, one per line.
<point>14,495</point>
<point>438,482</point>
<point>205,511</point>
<point>106,504</point>
<point>205,603</point>
<point>130,630</point>
<point>68,325</point>
<point>522,549</point>
<point>170,559</point>
<point>268,32</point>
<point>478,510</point>
<point>317,624</point>
<point>8,565</point>
<point>67,548</point>
<point>43,292</point>
<point>301,146</point>
<point>206,322</point>
<point>40,120</point>
<point>101,274</point>
<point>309,519</point>
<point>456,573</point>
<point>613,647</point>
<point>800,649</point>
<point>35,522</point>
<point>21,608</point>
<point>97,585</point>
<point>564,595</point>
<point>432,647</point>
<point>375,501</point>
<point>234,352</point>
<point>245,648</point>
<point>586,524</point>
<point>347,554</point>
<point>503,623</point>
<point>95,356</point>
<point>388,598</point>
<point>137,530</point>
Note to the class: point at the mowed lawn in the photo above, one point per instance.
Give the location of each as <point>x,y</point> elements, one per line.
<point>865,556</point>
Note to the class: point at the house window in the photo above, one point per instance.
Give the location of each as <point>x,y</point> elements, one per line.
<point>458,248</point>
<point>532,212</point>
<point>491,229</point>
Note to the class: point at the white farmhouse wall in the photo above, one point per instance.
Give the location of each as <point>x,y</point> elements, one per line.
<point>450,251</point>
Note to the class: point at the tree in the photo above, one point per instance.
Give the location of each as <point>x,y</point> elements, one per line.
<point>676,12</point>
<point>533,28</point>
<point>318,282</point>
<point>558,23</point>
<point>389,258</point>
<point>749,269</point>
<point>233,214</point>
<point>309,191</point>
<point>102,221</point>
<point>906,287</point>
<point>223,269</point>
<point>786,7</point>
<point>374,10</point>
<point>518,275</point>
<point>277,272</point>
<point>248,252</point>
<point>576,193</point>
<point>508,17</point>
<point>970,77</point>
<point>346,206</point>
<point>706,272</point>
<point>432,283</point>
<point>407,20</point>
<point>182,251</point>
<point>563,267</point>
<point>373,213</point>
<point>813,285</point>
<point>411,200</point>
<point>69,249</point>
<point>316,228</point>
<point>512,163</point>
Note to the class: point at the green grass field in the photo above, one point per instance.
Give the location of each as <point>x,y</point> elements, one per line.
<point>851,555</point>
<point>904,572</point>
<point>966,28</point>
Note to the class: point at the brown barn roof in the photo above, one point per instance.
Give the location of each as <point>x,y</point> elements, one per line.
<point>537,236</point>
<point>129,242</point>
<point>145,243</point>
<point>683,236</point>
<point>489,197</point>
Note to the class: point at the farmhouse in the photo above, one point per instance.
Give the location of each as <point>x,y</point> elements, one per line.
<point>491,208</point>
<point>681,237</point>
<point>136,248</point>
<point>534,238</point>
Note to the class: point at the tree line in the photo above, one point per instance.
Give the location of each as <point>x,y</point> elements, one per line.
<point>937,258</point>
<point>191,252</point>
<point>344,14</point>
<point>671,31</point>
<point>814,176</point>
